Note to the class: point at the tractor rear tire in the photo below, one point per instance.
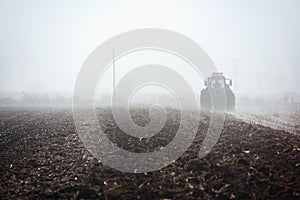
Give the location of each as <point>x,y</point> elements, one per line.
<point>230,103</point>
<point>205,100</point>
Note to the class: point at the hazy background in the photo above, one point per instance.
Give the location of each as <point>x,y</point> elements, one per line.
<point>44,43</point>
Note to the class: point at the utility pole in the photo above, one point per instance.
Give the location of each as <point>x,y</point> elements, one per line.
<point>235,71</point>
<point>38,82</point>
<point>114,71</point>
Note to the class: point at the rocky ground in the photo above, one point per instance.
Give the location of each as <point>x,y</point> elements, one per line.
<point>42,157</point>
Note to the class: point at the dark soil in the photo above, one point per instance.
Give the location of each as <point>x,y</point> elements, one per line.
<point>42,157</point>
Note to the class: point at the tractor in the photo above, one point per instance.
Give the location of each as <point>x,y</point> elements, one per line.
<point>217,96</point>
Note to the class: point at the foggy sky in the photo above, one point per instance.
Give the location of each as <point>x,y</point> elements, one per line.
<point>44,43</point>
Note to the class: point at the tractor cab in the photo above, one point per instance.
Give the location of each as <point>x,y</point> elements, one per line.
<point>217,81</point>
<point>217,95</point>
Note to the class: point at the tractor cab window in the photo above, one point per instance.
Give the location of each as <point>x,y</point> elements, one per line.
<point>217,83</point>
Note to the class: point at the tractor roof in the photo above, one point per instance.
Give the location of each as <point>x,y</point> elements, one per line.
<point>217,74</point>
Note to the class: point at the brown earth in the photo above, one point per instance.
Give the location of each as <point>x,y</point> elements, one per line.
<point>42,157</point>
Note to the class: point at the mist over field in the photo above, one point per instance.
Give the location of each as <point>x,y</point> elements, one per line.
<point>44,44</point>
<point>193,100</point>
<point>256,44</point>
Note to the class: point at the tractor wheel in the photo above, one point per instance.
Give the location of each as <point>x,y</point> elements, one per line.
<point>205,100</point>
<point>231,103</point>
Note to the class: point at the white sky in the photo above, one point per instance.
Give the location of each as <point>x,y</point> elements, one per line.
<point>53,38</point>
